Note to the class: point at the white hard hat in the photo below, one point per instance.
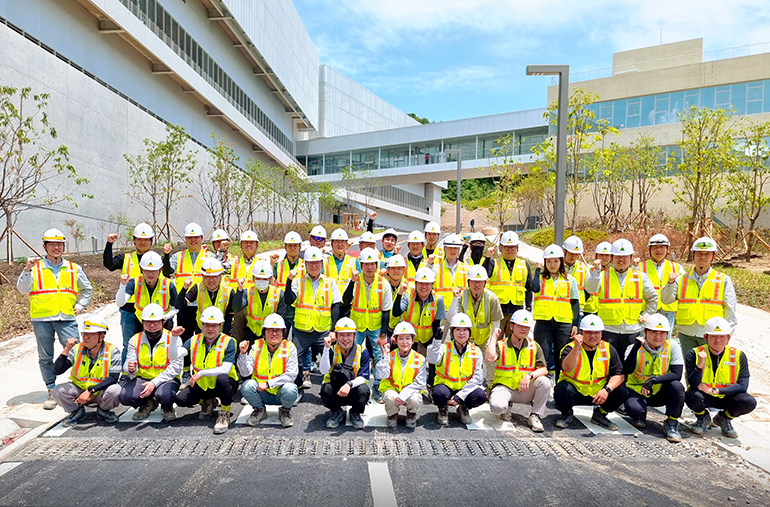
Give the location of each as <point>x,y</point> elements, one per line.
<point>704,244</point>
<point>212,315</point>
<point>95,325</point>
<point>261,269</point>
<point>573,244</point>
<point>292,238</point>
<point>249,236</point>
<point>657,322</point>
<point>192,229</point>
<point>211,267</point>
<point>367,237</point>
<point>396,261</point>
<point>553,252</point>
<point>404,328</point>
<point>416,237</point>
<point>461,320</point>
<point>523,318</point>
<point>453,240</point>
<point>313,254</point>
<point>717,326</point>
<point>432,227</point>
<point>658,239</point>
<point>339,234</point>
<point>509,238</point>
<point>144,230</point>
<point>319,230</point>
<point>592,323</point>
<point>53,236</point>
<point>368,255</point>
<point>151,260</point>
<point>425,275</point>
<point>345,324</point>
<point>478,273</point>
<point>603,248</point>
<point>390,232</point>
<point>478,236</point>
<point>151,312</point>
<point>274,321</point>
<point>219,235</point>
<point>622,247</point>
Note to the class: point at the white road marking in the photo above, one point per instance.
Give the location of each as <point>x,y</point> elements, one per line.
<point>56,431</point>
<point>382,485</point>
<point>374,416</point>
<point>7,467</point>
<point>484,419</point>
<point>583,414</point>
<point>271,419</point>
<point>155,416</point>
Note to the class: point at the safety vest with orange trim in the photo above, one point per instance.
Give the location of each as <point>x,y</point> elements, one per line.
<point>343,275</point>
<point>132,269</point>
<point>446,281</point>
<point>313,312</point>
<point>649,365</point>
<point>50,296</point>
<point>86,372</point>
<point>580,271</point>
<point>453,371</point>
<point>283,269</point>
<point>203,359</point>
<point>257,311</point>
<point>651,270</point>
<point>510,285</point>
<point>620,304</point>
<point>337,352</point>
<point>267,368</point>
<point>512,366</point>
<point>727,371</point>
<point>366,310</point>
<point>160,295</point>
<point>587,380</point>
<point>402,377</point>
<point>152,363</point>
<point>421,317</point>
<point>222,298</point>
<point>699,305</point>
<point>186,268</point>
<point>481,318</point>
<point>553,300</point>
<point>241,269</point>
<point>411,272</point>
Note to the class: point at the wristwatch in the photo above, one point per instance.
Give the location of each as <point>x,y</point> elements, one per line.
<point>608,389</point>
<point>714,391</point>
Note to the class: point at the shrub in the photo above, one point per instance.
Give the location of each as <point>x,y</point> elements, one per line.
<point>545,237</point>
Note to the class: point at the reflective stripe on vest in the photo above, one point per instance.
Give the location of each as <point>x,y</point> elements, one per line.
<point>240,269</point>
<point>422,319</point>
<point>50,296</point>
<point>510,286</point>
<point>648,366</point>
<point>482,324</point>
<point>84,374</point>
<point>727,371</point>
<point>159,296</point>
<point>621,304</point>
<point>648,267</point>
<point>589,381</point>
<point>366,310</point>
<point>511,367</point>
<point>699,305</point>
<point>152,364</point>
<point>267,368</point>
<point>345,273</point>
<point>553,300</point>
<point>580,271</point>
<point>186,269</point>
<point>202,360</point>
<point>204,299</point>
<point>314,311</point>
<point>454,373</point>
<point>446,281</point>
<point>339,359</point>
<point>131,268</point>
<point>256,311</point>
<point>410,272</point>
<point>283,272</point>
<point>402,377</point>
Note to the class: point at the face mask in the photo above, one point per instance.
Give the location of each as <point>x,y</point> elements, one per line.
<point>153,335</point>
<point>261,284</point>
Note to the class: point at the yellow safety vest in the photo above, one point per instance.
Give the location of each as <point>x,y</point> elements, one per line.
<point>510,286</point>
<point>256,311</point>
<point>314,311</point>
<point>618,305</point>
<point>446,281</point>
<point>589,381</point>
<point>422,319</point>
<point>648,366</point>
<point>241,269</point>
<point>482,323</point>
<point>700,305</point>
<point>727,371</point>
<point>339,359</point>
<point>402,377</point>
<point>204,299</point>
<point>345,273</point>
<point>580,271</point>
<point>186,269</point>
<point>438,252</point>
<point>411,272</point>
<point>267,368</point>
<point>553,301</point>
<point>159,296</point>
<point>366,310</point>
<point>202,360</point>
<point>283,272</point>
<point>152,363</point>
<point>651,270</point>
<point>84,374</point>
<point>511,367</point>
<point>394,291</point>
<point>50,297</point>
<point>451,372</point>
<point>132,269</point>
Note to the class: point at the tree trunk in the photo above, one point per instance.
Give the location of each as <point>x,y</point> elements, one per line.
<point>9,234</point>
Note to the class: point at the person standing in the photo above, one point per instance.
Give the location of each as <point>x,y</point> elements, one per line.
<point>573,249</point>
<point>473,224</point>
<point>212,290</point>
<point>658,268</point>
<point>241,269</point>
<point>511,279</point>
<point>340,266</point>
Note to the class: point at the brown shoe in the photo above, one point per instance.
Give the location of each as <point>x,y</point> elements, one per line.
<point>207,408</point>
<point>223,422</point>
<point>144,412</point>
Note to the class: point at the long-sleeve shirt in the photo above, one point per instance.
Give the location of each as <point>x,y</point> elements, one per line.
<point>25,281</point>
<point>189,297</point>
<point>418,384</point>
<point>387,298</point>
<point>171,371</point>
<point>246,366</point>
<point>669,293</point>
<point>593,283</point>
<point>531,285</point>
<point>675,361</point>
<point>436,351</point>
<point>695,374</point>
<point>113,263</point>
<point>241,300</point>
<point>65,362</point>
<point>327,357</point>
<point>493,318</point>
<point>227,361</point>
<point>170,262</point>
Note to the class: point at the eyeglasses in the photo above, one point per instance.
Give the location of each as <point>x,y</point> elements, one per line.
<point>317,238</point>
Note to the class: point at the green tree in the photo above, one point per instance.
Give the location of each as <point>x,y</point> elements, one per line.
<point>508,174</point>
<point>646,172</point>
<point>536,195</point>
<point>424,121</point>
<point>609,172</point>
<point>218,183</point>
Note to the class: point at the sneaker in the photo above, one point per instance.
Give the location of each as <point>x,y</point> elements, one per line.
<point>185,379</point>
<point>506,416</point>
<point>565,420</point>
<point>169,414</point>
<point>702,424</point>
<point>75,417</point>
<point>335,419</point>
<point>535,423</point>
<point>284,414</point>
<point>306,382</point>
<point>223,422</point>
<point>377,395</point>
<point>244,402</point>
<point>671,427</point>
<point>725,425</point>
<point>49,403</point>
<point>257,415</point>
<point>599,418</point>
<point>411,419</point>
<point>639,423</point>
<point>443,416</point>
<point>393,421</point>
<point>207,408</point>
<point>299,398</point>
<point>465,417</point>
<point>144,412</point>
<point>107,415</point>
<point>622,410</point>
<point>356,421</point>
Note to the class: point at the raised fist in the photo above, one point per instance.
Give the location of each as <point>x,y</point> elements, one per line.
<point>124,279</point>
<point>31,261</point>
<point>397,249</point>
<point>71,342</point>
<point>243,347</point>
<point>188,282</point>
<point>373,215</point>
<point>671,277</point>
<point>431,258</point>
<point>167,248</point>
<point>491,251</point>
<point>112,237</point>
<point>177,331</point>
<point>274,258</point>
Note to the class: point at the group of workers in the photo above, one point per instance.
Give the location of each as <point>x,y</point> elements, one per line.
<point>455,324</point>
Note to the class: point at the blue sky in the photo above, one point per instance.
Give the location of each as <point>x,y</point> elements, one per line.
<point>449,59</point>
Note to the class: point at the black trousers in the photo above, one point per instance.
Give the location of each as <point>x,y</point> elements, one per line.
<point>224,389</point>
<point>442,394</point>
<point>620,341</point>
<point>552,337</point>
<point>356,398</point>
<point>671,395</point>
<point>735,404</point>
<point>566,396</point>
<point>164,393</point>
<point>186,318</point>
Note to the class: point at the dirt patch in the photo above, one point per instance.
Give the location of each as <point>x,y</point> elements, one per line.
<point>449,220</point>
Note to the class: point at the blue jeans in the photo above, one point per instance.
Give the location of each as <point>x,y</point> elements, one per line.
<point>44,333</point>
<point>128,324</point>
<point>671,316</point>
<point>285,397</point>
<point>376,350</point>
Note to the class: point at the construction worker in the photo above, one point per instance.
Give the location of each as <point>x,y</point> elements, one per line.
<point>186,265</point>
<point>626,297</point>
<point>592,374</point>
<point>345,367</point>
<point>717,377</point>
<point>263,298</point>
<point>658,267</point>
<point>520,372</point>
<point>212,290</point>
<point>432,231</point>
<point>128,264</point>
<point>370,300</point>
<point>240,268</point>
<point>556,306</point>
<point>340,266</point>
<point>511,279</point>
<point>404,375</point>
<point>700,294</point>
<point>318,239</point>
<point>573,250</point>
<point>272,366</point>
<point>653,367</point>
<point>396,266</point>
<point>94,376</point>
<point>451,272</point>
<point>58,290</point>
<point>154,374</point>
<point>292,260</point>
<point>602,253</point>
<point>476,256</point>
<point>220,249</point>
<point>422,308</point>
<point>389,246</point>
<point>459,372</point>
<point>415,257</point>
<point>212,356</point>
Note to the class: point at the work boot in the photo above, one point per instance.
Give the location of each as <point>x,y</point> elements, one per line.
<point>377,395</point>
<point>356,421</point>
<point>107,415</point>
<point>621,409</point>
<point>465,417</point>
<point>702,424</point>
<point>639,423</point>
<point>257,415</point>
<point>75,417</point>
<point>299,398</point>
<point>185,379</point>
<point>223,422</point>
<point>428,395</point>
<point>599,418</point>
<point>144,412</point>
<point>411,419</point>
<point>49,403</point>
<point>565,420</point>
<point>725,425</point>
<point>506,416</point>
<point>443,416</point>
<point>169,414</point>
<point>335,419</point>
<point>284,414</point>
<point>671,427</point>
<point>393,420</point>
<point>207,408</point>
<point>306,382</point>
<point>535,423</point>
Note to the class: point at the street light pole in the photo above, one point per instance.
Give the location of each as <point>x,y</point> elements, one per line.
<point>561,142</point>
<point>459,182</point>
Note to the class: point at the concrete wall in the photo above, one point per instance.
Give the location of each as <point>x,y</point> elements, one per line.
<point>658,57</point>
